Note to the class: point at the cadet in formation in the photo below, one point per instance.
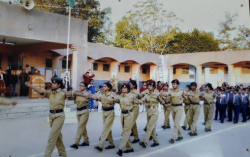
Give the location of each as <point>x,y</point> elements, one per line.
<point>166,107</point>
<point>187,120</point>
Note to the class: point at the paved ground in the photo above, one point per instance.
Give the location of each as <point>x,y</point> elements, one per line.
<point>28,138</point>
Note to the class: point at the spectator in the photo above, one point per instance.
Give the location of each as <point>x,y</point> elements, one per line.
<point>13,82</point>
<point>87,78</point>
<point>36,72</point>
<point>91,89</point>
<point>159,86</point>
<point>1,75</point>
<point>144,87</point>
<point>23,77</point>
<point>6,77</point>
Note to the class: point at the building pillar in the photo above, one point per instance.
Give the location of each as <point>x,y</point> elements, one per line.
<point>114,74</point>
<point>207,74</point>
<point>80,66</point>
<point>231,77</point>
<point>153,72</point>
<point>170,75</point>
<point>136,74</point>
<point>198,76</point>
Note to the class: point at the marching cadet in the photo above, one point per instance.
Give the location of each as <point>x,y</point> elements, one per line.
<point>208,97</point>
<point>127,102</point>
<point>56,98</point>
<point>237,102</point>
<point>230,104</point>
<point>82,101</point>
<point>151,100</point>
<point>166,107</point>
<point>245,103</point>
<point>223,105</point>
<point>107,99</point>
<point>194,110</point>
<point>186,109</point>
<point>137,95</point>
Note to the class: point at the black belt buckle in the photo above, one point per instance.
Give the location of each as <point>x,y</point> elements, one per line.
<point>108,108</point>
<point>176,105</point>
<point>56,111</point>
<point>82,108</point>
<point>127,111</point>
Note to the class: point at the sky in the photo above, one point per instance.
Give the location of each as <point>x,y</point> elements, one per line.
<point>202,14</point>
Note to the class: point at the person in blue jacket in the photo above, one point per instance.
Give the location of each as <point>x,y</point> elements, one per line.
<point>237,102</point>
<point>245,102</point>
<point>91,89</point>
<point>217,104</point>
<point>222,105</point>
<point>230,98</point>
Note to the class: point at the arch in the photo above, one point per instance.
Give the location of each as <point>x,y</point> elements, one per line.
<point>212,62</point>
<point>149,63</point>
<point>178,64</point>
<point>132,61</point>
<point>106,58</point>
<point>248,62</point>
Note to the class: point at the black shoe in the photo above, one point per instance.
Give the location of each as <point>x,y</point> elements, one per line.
<point>171,141</point>
<point>204,123</point>
<point>221,121</point>
<point>74,146</point>
<point>235,122</point>
<point>110,147</point>
<point>243,121</point>
<point>155,144</point>
<point>215,118</point>
<point>142,144</point>
<point>150,138</point>
<point>229,120</point>
<point>208,130</point>
<point>164,127</point>
<point>168,127</point>
<point>179,139</point>
<point>145,129</point>
<point>120,152</point>
<point>131,134</point>
<point>84,144</point>
<point>189,128</point>
<point>129,151</point>
<point>184,128</point>
<point>192,134</point>
<point>136,141</point>
<point>98,148</point>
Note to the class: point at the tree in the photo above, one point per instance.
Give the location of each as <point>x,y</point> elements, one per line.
<point>84,9</point>
<point>196,41</point>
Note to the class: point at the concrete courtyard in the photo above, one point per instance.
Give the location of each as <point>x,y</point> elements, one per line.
<point>27,137</point>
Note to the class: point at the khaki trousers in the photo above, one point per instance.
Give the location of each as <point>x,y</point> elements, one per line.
<point>55,136</point>
<point>166,115</point>
<point>152,117</point>
<point>194,116</point>
<point>82,117</point>
<point>127,123</point>
<point>108,120</point>
<point>187,118</point>
<point>177,112</point>
<point>208,115</point>
<point>134,128</point>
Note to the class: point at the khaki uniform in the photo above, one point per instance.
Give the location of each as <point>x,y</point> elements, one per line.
<point>208,108</point>
<point>56,101</point>
<point>194,110</point>
<point>176,99</point>
<point>167,109</point>
<point>152,115</point>
<point>82,117</point>
<point>137,96</point>
<point>127,119</point>
<point>108,119</point>
<point>186,109</point>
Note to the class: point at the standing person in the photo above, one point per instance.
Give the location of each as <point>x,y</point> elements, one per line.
<point>237,102</point>
<point>1,75</point>
<point>36,72</point>
<point>23,78</point>
<point>137,95</point>
<point>187,120</point>
<point>127,102</point>
<point>107,99</point>
<point>144,87</point>
<point>209,97</point>
<point>151,101</point>
<point>159,86</point>
<point>13,82</point>
<point>195,107</point>
<point>91,89</point>
<point>86,76</point>
<point>217,105</point>
<point>223,105</point>
<point>82,99</point>
<point>56,98</point>
<point>230,98</point>
<point>166,107</point>
<point>245,103</point>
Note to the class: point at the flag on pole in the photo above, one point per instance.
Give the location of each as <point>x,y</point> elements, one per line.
<point>71,3</point>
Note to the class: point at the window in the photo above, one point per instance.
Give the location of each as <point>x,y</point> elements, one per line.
<point>144,70</point>
<point>226,70</point>
<point>245,70</point>
<point>64,64</point>
<point>185,70</point>
<point>174,71</point>
<point>48,63</point>
<point>214,70</point>
<point>127,69</point>
<point>95,66</point>
<point>105,67</point>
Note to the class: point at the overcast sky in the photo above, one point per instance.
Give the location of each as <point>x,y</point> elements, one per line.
<point>201,14</point>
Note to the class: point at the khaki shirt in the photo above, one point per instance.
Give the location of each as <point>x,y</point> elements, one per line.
<point>82,101</point>
<point>137,96</point>
<point>195,98</point>
<point>186,98</point>
<point>3,102</point>
<point>106,103</point>
<point>153,99</point>
<point>166,99</point>
<point>209,97</point>
<point>57,98</point>
<point>176,97</point>
<point>126,102</point>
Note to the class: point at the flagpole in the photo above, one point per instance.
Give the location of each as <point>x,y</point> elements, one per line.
<point>67,61</point>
